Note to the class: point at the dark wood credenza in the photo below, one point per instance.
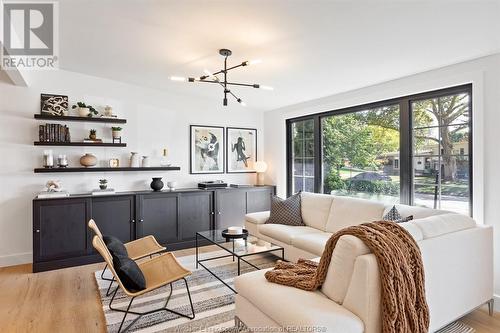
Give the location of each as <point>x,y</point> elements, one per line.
<point>61,237</point>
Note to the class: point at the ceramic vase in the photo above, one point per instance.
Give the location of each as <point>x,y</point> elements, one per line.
<point>157,184</point>
<point>172,185</point>
<point>88,160</point>
<point>116,134</point>
<point>145,162</point>
<point>134,160</point>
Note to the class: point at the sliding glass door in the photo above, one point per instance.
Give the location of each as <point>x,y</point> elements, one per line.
<point>414,150</point>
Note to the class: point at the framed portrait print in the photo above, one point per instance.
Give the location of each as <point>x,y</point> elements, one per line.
<point>206,149</point>
<point>241,149</point>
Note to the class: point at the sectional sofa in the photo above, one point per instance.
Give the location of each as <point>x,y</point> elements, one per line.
<point>457,255</point>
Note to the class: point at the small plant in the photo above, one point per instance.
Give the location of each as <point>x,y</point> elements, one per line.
<point>116,129</point>
<point>103,184</point>
<point>93,134</point>
<point>92,110</point>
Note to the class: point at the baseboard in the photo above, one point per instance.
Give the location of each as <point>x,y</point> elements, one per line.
<point>16,259</point>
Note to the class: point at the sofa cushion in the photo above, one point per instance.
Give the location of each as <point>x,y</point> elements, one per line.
<point>437,225</point>
<point>313,243</point>
<point>258,217</point>
<point>414,231</point>
<point>286,211</point>
<point>347,211</point>
<point>304,309</point>
<point>339,273</point>
<point>416,211</point>
<point>315,209</point>
<point>285,233</point>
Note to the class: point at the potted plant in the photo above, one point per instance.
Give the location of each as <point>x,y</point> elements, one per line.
<point>85,110</point>
<point>116,132</point>
<point>93,134</point>
<point>103,184</point>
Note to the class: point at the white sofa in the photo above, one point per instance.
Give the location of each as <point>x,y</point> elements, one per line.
<point>457,255</point>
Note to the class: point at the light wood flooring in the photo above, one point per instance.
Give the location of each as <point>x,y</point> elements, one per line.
<point>66,300</point>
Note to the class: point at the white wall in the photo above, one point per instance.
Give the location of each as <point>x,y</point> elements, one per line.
<point>483,73</point>
<point>155,119</point>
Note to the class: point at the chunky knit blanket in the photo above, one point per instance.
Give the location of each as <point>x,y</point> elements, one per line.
<point>404,307</point>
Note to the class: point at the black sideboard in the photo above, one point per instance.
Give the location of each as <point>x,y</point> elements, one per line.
<point>61,237</point>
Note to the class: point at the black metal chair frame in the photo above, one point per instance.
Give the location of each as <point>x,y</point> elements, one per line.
<point>140,314</point>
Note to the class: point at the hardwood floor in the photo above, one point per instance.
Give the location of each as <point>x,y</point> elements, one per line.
<point>66,300</point>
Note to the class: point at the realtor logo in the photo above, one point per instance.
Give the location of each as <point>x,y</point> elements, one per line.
<point>29,35</point>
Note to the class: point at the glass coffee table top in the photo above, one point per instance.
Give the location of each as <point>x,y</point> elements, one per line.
<point>252,245</point>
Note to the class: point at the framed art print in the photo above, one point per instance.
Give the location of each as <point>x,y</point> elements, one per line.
<point>53,105</point>
<point>241,149</point>
<point>206,149</point>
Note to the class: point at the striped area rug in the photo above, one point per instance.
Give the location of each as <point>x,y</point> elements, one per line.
<point>213,301</point>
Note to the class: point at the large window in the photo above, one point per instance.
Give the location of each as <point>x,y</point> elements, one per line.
<point>413,150</point>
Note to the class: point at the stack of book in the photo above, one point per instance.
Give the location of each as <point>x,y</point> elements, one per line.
<point>103,192</point>
<point>92,141</point>
<point>53,133</point>
<point>53,194</point>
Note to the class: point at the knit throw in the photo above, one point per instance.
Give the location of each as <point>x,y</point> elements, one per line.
<point>404,307</point>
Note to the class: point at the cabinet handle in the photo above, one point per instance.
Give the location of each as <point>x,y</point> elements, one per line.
<point>37,230</point>
<point>133,221</point>
<point>218,213</point>
<point>141,220</point>
<point>212,213</point>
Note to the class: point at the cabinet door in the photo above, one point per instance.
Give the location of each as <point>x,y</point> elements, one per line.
<point>158,217</point>
<point>231,208</point>
<point>259,199</point>
<point>60,229</point>
<point>195,213</point>
<point>115,216</point>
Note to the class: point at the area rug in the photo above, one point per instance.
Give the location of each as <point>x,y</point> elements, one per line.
<point>213,302</point>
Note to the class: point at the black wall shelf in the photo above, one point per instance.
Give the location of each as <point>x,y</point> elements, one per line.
<point>80,144</point>
<point>105,169</point>
<point>88,119</point>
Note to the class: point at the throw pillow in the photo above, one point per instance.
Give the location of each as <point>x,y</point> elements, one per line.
<point>115,246</point>
<point>287,212</point>
<point>394,216</point>
<point>129,273</point>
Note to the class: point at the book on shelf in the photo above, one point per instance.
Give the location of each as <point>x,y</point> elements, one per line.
<point>103,192</point>
<point>53,133</point>
<point>92,141</point>
<point>46,195</point>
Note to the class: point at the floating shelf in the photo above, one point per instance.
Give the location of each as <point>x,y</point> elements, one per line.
<point>105,169</point>
<point>80,144</point>
<point>88,119</point>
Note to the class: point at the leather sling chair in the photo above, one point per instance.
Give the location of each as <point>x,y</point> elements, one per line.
<point>158,272</point>
<point>136,249</point>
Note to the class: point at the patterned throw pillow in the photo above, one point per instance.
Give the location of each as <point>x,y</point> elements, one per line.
<point>394,216</point>
<point>287,212</point>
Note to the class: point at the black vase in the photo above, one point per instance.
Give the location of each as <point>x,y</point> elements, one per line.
<point>157,184</point>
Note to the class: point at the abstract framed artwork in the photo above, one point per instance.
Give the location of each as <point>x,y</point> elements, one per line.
<point>53,105</point>
<point>241,149</point>
<point>206,149</point>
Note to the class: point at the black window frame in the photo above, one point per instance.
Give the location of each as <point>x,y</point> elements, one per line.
<point>406,144</point>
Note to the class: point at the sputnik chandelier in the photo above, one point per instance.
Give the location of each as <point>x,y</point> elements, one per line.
<point>211,77</point>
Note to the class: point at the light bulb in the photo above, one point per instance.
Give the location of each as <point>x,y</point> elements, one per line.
<point>266,87</point>
<point>178,78</point>
<point>255,61</point>
<point>206,71</point>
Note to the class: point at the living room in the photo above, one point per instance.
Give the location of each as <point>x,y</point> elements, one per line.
<point>139,198</point>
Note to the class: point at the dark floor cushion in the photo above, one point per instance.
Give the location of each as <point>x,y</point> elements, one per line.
<point>115,246</point>
<point>287,212</point>
<point>129,273</point>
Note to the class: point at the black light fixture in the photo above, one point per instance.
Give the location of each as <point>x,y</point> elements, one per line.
<point>210,77</point>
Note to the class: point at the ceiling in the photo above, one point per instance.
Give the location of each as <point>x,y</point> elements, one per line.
<point>310,49</point>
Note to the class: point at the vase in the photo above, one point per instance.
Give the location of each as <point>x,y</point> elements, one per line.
<point>157,184</point>
<point>88,160</point>
<point>103,186</point>
<point>145,162</point>
<point>83,112</point>
<point>116,134</point>
<point>172,185</point>
<point>134,160</point>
